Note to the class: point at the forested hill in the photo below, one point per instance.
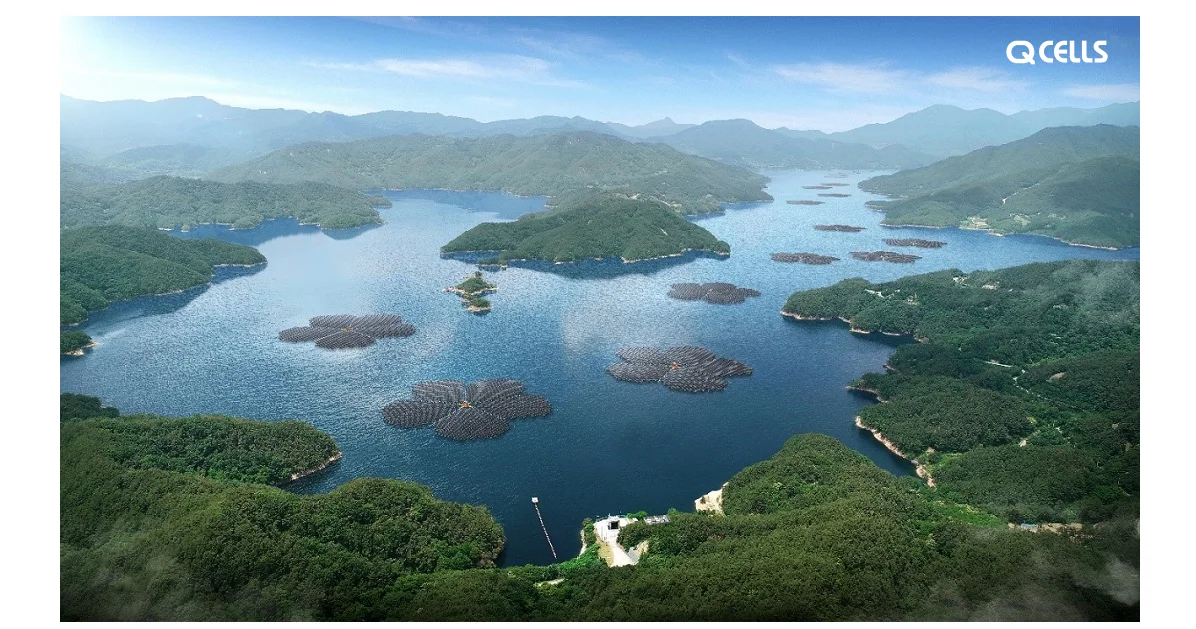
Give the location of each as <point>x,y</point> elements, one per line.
<point>172,202</point>
<point>1023,397</point>
<point>1078,184</point>
<point>99,264</point>
<point>155,526</point>
<point>165,518</point>
<point>551,164</point>
<point>601,226</point>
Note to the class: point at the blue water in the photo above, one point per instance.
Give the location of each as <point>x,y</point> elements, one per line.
<point>609,446</point>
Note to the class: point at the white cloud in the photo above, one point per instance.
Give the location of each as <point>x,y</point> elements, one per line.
<point>1117,92</point>
<point>882,78</point>
<point>976,79</point>
<point>845,77</point>
<point>503,67</point>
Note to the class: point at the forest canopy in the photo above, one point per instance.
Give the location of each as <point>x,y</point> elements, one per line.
<point>101,264</point>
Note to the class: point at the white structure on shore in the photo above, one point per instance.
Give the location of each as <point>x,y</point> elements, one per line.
<point>607,532</point>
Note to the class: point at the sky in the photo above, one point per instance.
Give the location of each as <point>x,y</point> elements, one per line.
<point>820,73</point>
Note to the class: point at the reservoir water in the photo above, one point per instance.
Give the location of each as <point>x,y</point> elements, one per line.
<point>608,446</point>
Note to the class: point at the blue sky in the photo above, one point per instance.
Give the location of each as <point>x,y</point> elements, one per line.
<point>823,73</point>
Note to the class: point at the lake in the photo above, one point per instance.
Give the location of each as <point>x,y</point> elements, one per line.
<point>609,446</point>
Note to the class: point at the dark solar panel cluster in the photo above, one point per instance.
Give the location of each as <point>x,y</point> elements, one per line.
<point>345,331</point>
<point>480,410</point>
<point>885,256</point>
<point>914,242</point>
<point>804,258</point>
<point>686,368</point>
<point>713,292</point>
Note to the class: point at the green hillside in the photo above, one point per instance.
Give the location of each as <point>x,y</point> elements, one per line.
<point>169,519</point>
<point>1078,184</point>
<point>100,264</point>
<point>173,202</point>
<point>602,226</point>
<point>551,164</point>
<point>1023,397</point>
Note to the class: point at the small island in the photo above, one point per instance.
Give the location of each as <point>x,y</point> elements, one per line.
<point>884,256</point>
<point>804,258</point>
<point>804,202</point>
<point>604,226</point>
<point>836,183</point>
<point>833,194</point>
<point>839,228</point>
<point>876,205</point>
<point>914,242</point>
<point>471,291</point>
<point>821,187</point>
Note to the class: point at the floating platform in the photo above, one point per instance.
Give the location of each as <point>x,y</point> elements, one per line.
<point>839,228</point>
<point>804,202</point>
<point>683,368</point>
<point>479,410</point>
<point>804,258</point>
<point>347,331</point>
<point>712,292</point>
<point>884,256</point>
<point>914,242</point>
<point>833,194</point>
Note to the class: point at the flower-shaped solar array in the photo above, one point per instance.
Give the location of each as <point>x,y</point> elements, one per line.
<point>479,410</point>
<point>713,292</point>
<point>343,331</point>
<point>686,368</point>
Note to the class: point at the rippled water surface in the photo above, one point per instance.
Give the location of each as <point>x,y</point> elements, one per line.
<point>609,446</point>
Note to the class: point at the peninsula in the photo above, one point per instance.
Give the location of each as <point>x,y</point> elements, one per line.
<point>101,264</point>
<point>1022,397</point>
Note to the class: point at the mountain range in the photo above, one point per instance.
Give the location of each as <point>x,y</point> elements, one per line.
<point>192,136</point>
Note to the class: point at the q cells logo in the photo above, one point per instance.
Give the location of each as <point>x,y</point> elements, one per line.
<point>1052,51</point>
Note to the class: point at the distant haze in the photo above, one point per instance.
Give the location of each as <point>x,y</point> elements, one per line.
<point>828,74</point>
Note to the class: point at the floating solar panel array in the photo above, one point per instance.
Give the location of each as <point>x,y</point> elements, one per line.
<point>838,228</point>
<point>480,410</point>
<point>914,242</point>
<point>804,258</point>
<point>345,331</point>
<point>713,292</point>
<point>686,368</point>
<point>885,256</point>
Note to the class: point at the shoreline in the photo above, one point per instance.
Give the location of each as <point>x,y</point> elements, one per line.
<point>80,351</point>
<point>579,260</point>
<point>919,469</point>
<point>993,232</point>
<point>319,468</point>
<point>711,501</point>
<point>851,326</point>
